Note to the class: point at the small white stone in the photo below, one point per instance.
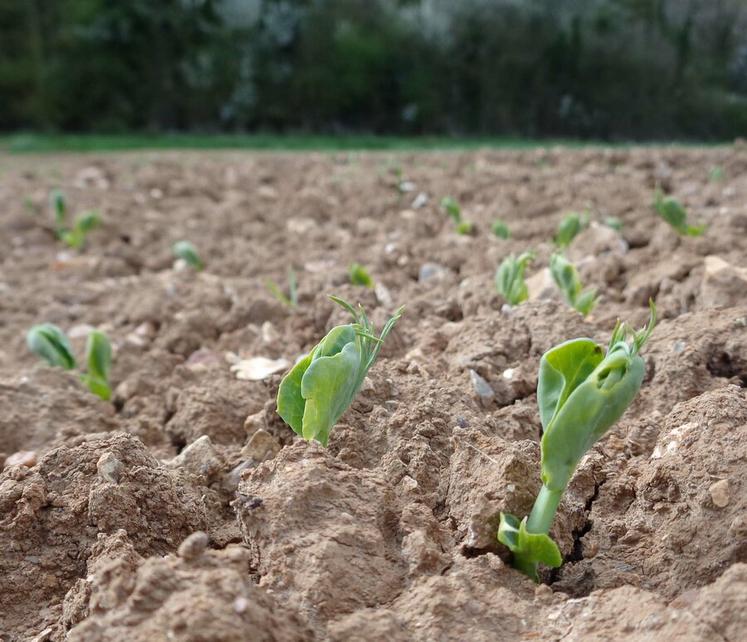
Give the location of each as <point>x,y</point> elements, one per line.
<point>420,201</point>
<point>240,604</point>
<point>719,492</point>
<point>109,468</point>
<point>508,373</point>
<point>258,368</point>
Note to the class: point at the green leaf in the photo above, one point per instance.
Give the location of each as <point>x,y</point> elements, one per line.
<point>562,369</point>
<point>290,402</point>
<point>509,278</point>
<point>59,209</point>
<point>87,221</point>
<point>360,276</point>
<point>187,252</point>
<point>614,222</point>
<point>465,228</point>
<point>319,388</point>
<point>98,364</point>
<point>588,403</point>
<point>500,229</point>
<point>568,281</point>
<point>452,209</point>
<point>51,344</point>
<point>672,211</point>
<point>569,228</point>
<point>529,549</point>
<point>329,386</point>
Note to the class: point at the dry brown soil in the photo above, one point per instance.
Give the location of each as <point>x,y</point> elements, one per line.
<point>186,510</point>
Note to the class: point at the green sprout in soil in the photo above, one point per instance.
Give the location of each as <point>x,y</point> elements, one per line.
<point>75,236</point>
<point>569,228</point>
<point>454,212</point>
<point>188,253</point>
<point>291,300</point>
<point>465,228</point>
<point>360,276</point>
<point>566,277</point>
<point>51,344</point>
<point>581,393</point>
<point>509,278</point>
<point>500,229</point>
<point>614,222</point>
<point>320,387</point>
<point>716,174</point>
<point>672,211</point>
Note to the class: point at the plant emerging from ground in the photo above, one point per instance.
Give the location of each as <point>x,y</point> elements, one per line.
<point>360,276</point>
<point>75,236</point>
<point>509,278</point>
<point>187,252</point>
<point>672,211</point>
<point>292,299</point>
<point>320,387</point>
<point>500,229</point>
<point>454,211</point>
<point>569,228</point>
<point>581,393</point>
<point>566,277</point>
<point>51,344</point>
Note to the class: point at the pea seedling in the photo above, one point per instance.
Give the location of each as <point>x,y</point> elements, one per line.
<point>188,253</point>
<point>454,212</point>
<point>569,228</point>
<point>614,223</point>
<point>452,209</point>
<point>98,364</point>
<point>292,299</point>
<point>581,393</point>
<point>320,387</point>
<point>500,229</point>
<point>672,211</point>
<point>565,275</point>
<point>74,237</point>
<point>51,344</point>
<point>509,278</point>
<point>360,276</point>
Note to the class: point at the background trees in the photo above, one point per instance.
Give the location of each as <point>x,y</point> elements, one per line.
<point>588,68</point>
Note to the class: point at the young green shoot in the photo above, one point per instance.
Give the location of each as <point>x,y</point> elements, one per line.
<point>360,276</point>
<point>320,387</point>
<point>716,174</point>
<point>569,228</point>
<point>465,228</point>
<point>454,212</point>
<point>75,236</point>
<point>672,211</point>
<point>98,365</point>
<point>581,393</point>
<point>51,344</point>
<point>291,300</point>
<point>509,278</point>
<point>566,277</point>
<point>500,229</point>
<point>614,223</point>
<point>84,223</point>
<point>187,252</point>
<point>452,209</point>
<point>59,209</point>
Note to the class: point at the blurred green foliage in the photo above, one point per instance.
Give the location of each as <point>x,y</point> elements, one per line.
<point>607,69</point>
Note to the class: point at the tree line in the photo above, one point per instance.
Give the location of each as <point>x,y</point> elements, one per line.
<point>607,69</point>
